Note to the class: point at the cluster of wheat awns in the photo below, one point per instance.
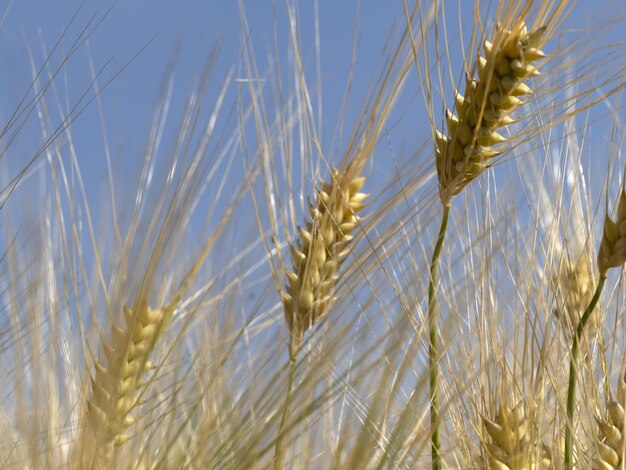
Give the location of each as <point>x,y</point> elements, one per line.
<point>372,378</point>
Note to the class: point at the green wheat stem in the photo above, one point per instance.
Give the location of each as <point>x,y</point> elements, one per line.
<point>571,389</point>
<point>279,449</point>
<point>433,355</point>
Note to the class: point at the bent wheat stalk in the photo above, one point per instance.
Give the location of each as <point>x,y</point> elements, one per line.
<point>612,254</point>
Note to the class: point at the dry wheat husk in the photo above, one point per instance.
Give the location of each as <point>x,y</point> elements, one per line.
<point>575,285</point>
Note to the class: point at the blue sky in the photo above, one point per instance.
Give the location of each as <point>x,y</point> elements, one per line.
<point>185,30</point>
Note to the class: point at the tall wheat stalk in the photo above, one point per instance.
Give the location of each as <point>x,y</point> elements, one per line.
<point>467,149</point>
<point>611,254</point>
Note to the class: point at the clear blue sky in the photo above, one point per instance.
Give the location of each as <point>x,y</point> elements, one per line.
<point>187,30</point>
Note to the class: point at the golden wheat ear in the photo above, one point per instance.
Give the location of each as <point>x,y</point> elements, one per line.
<point>611,431</point>
<point>468,147</point>
<point>575,285</point>
<point>612,252</point>
<point>511,445</point>
<point>118,375</point>
<point>321,249</point>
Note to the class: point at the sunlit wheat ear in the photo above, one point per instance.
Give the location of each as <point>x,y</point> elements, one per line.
<point>611,432</point>
<point>118,377</point>
<point>467,148</point>
<point>321,248</point>
<point>510,445</point>
<point>575,285</point>
<point>612,253</point>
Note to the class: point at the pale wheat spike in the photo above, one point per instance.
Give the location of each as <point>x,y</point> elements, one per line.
<point>322,247</point>
<point>575,285</point>
<point>510,445</point>
<point>117,381</point>
<point>612,253</point>
<point>611,432</point>
<point>465,151</point>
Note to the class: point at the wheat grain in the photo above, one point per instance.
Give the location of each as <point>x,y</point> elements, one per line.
<point>489,99</point>
<point>322,247</point>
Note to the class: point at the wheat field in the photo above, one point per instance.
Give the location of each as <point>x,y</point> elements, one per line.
<point>426,272</point>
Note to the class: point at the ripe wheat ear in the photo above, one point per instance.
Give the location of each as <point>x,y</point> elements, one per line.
<point>322,248</point>
<point>490,98</point>
<point>118,375</point>
<point>511,445</point>
<point>467,149</point>
<point>611,431</point>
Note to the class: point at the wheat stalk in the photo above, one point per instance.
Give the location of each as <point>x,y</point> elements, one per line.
<point>465,151</point>
<point>611,431</point>
<point>611,254</point>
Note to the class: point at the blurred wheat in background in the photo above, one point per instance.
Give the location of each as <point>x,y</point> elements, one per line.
<point>264,283</point>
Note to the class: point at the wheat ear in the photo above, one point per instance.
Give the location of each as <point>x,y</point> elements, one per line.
<point>489,99</point>
<point>118,376</point>
<point>321,249</point>
<point>510,435</point>
<point>575,284</point>
<point>612,254</point>
<point>611,432</point>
